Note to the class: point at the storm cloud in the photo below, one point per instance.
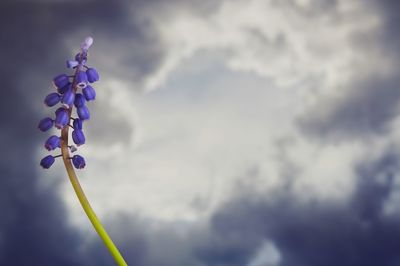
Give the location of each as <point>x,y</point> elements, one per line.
<point>343,126</point>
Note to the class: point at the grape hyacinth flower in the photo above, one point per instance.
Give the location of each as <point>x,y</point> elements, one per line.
<point>45,124</point>
<point>78,161</point>
<point>47,161</point>
<point>73,90</point>
<point>52,99</point>
<point>89,93</point>
<point>78,137</point>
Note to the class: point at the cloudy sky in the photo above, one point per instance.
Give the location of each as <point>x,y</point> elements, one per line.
<point>225,133</point>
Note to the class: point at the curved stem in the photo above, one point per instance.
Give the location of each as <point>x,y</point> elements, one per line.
<point>81,195</point>
<point>88,209</point>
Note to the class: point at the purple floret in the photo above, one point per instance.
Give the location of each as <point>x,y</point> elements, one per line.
<point>78,161</point>
<point>47,161</point>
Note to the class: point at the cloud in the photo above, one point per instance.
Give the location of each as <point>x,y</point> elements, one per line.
<point>253,229</point>
<point>34,228</point>
<point>237,92</point>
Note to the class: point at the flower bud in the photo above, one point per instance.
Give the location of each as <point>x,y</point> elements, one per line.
<point>62,118</point>
<point>52,142</point>
<point>92,75</point>
<point>61,80</point>
<point>45,124</point>
<point>81,79</point>
<point>77,124</point>
<point>86,43</point>
<point>79,100</point>
<point>83,112</point>
<point>73,148</point>
<point>78,57</point>
<point>68,98</point>
<point>65,88</point>
<point>60,109</point>
<point>78,161</point>
<point>52,99</point>
<point>89,92</point>
<point>72,63</point>
<point>78,137</point>
<point>47,161</point>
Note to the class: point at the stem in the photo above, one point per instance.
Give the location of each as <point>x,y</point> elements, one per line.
<point>81,195</point>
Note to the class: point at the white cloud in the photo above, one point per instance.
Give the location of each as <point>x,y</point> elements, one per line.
<point>230,88</point>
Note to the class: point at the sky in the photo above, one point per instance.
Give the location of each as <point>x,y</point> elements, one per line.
<point>224,133</point>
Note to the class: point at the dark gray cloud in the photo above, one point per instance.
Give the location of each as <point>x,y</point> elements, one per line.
<point>351,233</point>
<point>366,111</point>
<point>317,233</point>
<point>33,228</point>
<point>371,101</point>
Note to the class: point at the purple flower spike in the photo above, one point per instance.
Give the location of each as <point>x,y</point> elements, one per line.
<point>78,161</point>
<point>45,124</point>
<point>72,63</point>
<point>83,113</point>
<point>92,75</point>
<point>79,100</point>
<point>47,161</point>
<point>78,137</point>
<point>78,124</point>
<point>62,118</point>
<point>52,99</point>
<point>68,98</point>
<point>61,80</point>
<point>52,142</point>
<point>81,79</point>
<point>89,92</point>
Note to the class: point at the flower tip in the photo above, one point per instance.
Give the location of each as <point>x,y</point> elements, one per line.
<point>86,43</point>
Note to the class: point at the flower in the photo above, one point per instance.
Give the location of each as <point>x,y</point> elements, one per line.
<point>81,79</point>
<point>62,118</point>
<point>68,95</point>
<point>77,124</point>
<point>52,99</point>
<point>52,142</point>
<point>65,88</point>
<point>79,100</point>
<point>60,109</point>
<point>78,57</point>
<point>78,137</point>
<point>61,80</point>
<point>92,75</point>
<point>72,63</point>
<point>78,161</point>
<point>68,98</point>
<point>89,93</point>
<point>83,112</point>
<point>86,43</point>
<point>47,161</point>
<point>45,124</point>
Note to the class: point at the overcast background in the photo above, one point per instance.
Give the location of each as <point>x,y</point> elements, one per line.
<point>225,133</point>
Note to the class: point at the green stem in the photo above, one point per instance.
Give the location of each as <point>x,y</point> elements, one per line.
<point>81,195</point>
<point>88,209</point>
